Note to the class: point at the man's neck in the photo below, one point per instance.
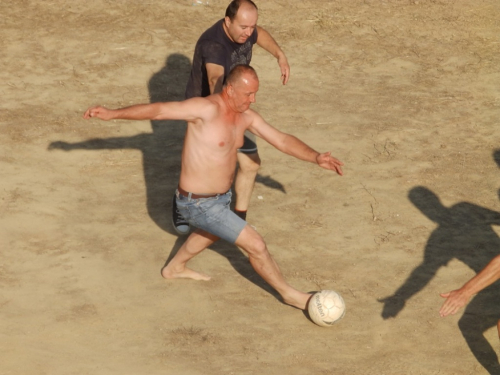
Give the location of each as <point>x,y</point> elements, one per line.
<point>227,101</point>
<point>224,27</point>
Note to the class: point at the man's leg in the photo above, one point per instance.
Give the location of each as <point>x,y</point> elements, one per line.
<point>195,244</point>
<point>248,165</point>
<point>180,224</point>
<point>263,263</point>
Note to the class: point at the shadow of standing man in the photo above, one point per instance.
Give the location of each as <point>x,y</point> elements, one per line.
<point>465,233</point>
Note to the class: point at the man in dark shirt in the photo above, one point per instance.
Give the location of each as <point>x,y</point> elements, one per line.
<point>226,44</point>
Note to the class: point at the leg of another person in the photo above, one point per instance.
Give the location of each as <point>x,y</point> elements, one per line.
<point>263,263</point>
<point>198,241</point>
<point>248,165</point>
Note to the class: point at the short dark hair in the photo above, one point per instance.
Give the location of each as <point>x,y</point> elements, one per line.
<point>232,8</point>
<point>238,71</point>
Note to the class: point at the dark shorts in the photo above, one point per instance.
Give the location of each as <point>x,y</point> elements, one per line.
<point>212,215</point>
<point>249,144</point>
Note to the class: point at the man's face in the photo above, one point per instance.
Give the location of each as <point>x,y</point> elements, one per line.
<point>243,92</point>
<point>243,25</point>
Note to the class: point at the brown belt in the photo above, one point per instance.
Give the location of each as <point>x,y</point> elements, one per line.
<point>194,196</point>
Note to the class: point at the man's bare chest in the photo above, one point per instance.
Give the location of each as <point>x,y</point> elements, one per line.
<point>225,136</point>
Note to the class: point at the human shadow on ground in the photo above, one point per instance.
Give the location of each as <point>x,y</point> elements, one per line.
<point>465,233</point>
<point>161,159</point>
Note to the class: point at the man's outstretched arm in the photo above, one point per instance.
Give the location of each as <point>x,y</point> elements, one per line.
<point>135,112</point>
<point>187,110</point>
<point>456,299</point>
<point>266,41</point>
<point>293,146</point>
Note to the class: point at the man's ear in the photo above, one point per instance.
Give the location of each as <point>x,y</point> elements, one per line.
<point>229,89</point>
<point>227,21</point>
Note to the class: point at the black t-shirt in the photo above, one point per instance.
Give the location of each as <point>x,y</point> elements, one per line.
<point>215,47</point>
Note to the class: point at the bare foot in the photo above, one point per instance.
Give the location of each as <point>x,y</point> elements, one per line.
<point>186,273</point>
<point>298,300</point>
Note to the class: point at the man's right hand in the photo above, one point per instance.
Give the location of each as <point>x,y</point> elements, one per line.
<point>99,112</point>
<point>285,68</point>
<point>455,300</point>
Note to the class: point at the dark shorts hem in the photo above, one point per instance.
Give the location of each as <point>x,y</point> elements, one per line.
<point>249,146</point>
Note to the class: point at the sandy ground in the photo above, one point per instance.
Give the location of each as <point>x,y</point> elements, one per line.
<point>406,93</point>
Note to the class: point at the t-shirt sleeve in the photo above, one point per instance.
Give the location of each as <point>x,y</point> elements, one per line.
<point>213,53</point>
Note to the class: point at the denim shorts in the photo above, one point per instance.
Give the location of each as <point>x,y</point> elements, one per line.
<point>212,215</point>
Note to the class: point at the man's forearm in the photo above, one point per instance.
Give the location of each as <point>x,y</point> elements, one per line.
<point>486,277</point>
<point>293,146</point>
<point>137,112</point>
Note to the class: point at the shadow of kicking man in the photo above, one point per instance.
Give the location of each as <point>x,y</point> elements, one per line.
<point>161,149</point>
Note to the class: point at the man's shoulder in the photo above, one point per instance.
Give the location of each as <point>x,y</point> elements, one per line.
<point>209,105</point>
<point>251,113</point>
<point>215,102</point>
<point>250,116</point>
<point>212,44</point>
<point>206,101</point>
<point>213,33</point>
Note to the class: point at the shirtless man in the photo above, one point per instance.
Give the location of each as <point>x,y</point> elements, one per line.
<point>216,125</point>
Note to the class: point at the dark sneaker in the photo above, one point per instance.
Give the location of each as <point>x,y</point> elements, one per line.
<point>180,224</point>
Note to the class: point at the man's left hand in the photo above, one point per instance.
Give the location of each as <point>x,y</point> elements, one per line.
<point>285,69</point>
<point>325,160</point>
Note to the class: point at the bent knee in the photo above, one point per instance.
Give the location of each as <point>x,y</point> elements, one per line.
<point>249,162</point>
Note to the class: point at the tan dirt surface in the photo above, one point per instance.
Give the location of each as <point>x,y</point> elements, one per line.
<point>405,93</point>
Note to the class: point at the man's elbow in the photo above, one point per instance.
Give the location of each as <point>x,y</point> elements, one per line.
<point>285,147</point>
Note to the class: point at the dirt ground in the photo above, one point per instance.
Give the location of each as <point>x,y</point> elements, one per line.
<point>405,93</point>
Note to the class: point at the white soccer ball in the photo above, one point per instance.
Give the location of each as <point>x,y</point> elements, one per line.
<point>326,307</point>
